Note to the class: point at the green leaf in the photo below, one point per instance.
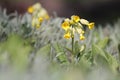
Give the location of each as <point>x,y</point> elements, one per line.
<point>100,61</point>
<point>61,57</point>
<point>86,63</point>
<point>103,43</point>
<point>99,57</point>
<point>60,53</point>
<point>82,48</point>
<point>68,50</point>
<point>97,50</point>
<point>58,47</point>
<point>113,63</point>
<point>104,58</point>
<point>81,52</point>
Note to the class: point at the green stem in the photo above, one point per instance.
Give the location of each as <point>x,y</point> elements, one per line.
<point>72,45</point>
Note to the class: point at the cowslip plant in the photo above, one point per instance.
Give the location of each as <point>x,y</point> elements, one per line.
<point>38,14</point>
<point>75,25</point>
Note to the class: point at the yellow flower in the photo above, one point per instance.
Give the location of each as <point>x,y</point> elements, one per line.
<point>38,14</point>
<point>83,21</point>
<point>67,35</point>
<point>37,6</point>
<point>65,25</point>
<point>75,25</point>
<point>42,12</point>
<point>30,9</point>
<point>91,25</point>
<point>75,18</point>
<point>82,37</point>
<point>40,19</point>
<point>35,22</point>
<point>37,26</point>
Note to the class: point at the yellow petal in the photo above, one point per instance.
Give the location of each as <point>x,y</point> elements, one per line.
<point>30,9</point>
<point>35,22</point>
<point>91,25</point>
<point>67,36</point>
<point>65,25</point>
<point>82,37</point>
<point>40,19</point>
<point>75,18</point>
<point>37,26</point>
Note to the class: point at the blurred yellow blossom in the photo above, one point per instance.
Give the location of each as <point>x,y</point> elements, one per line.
<point>37,6</point>
<point>42,12</point>
<point>37,26</point>
<point>39,14</point>
<point>40,19</point>
<point>35,22</point>
<point>30,9</point>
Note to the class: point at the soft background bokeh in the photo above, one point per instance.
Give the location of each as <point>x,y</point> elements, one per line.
<point>99,11</point>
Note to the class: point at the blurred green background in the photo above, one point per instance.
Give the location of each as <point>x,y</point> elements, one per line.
<point>99,11</point>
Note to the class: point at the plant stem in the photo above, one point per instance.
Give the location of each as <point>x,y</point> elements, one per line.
<point>119,52</point>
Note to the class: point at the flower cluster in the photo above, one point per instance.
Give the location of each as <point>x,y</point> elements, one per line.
<point>75,25</point>
<point>38,14</point>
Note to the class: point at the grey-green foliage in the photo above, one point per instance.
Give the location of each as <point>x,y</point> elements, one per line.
<point>45,48</point>
<point>13,23</point>
<point>51,33</point>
